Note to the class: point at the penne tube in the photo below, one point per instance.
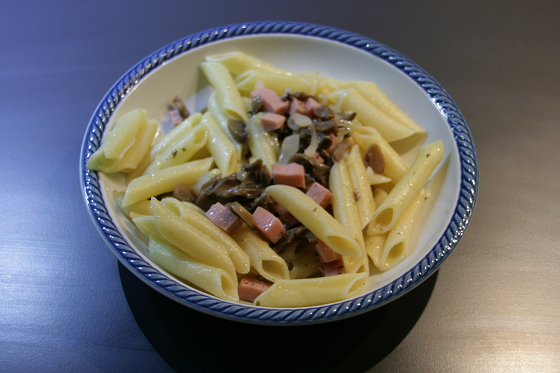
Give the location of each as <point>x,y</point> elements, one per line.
<point>305,262</point>
<point>397,245</point>
<point>228,95</point>
<point>303,82</point>
<point>260,143</point>
<point>346,213</point>
<point>238,62</point>
<point>219,116</point>
<point>181,151</point>
<point>374,247</point>
<point>139,208</point>
<point>175,134</point>
<point>123,134</point>
<point>117,142</point>
<point>316,219</point>
<point>164,181</point>
<point>395,166</point>
<point>221,147</point>
<point>146,224</point>
<point>371,92</point>
<point>134,156</point>
<point>211,279</point>
<point>407,188</point>
<point>263,259</point>
<point>312,291</point>
<point>369,115</point>
<point>194,216</point>
<point>190,240</point>
<point>361,185</point>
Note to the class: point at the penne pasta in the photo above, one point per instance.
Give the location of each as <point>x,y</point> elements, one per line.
<point>369,115</point>
<point>181,151</point>
<point>164,181</point>
<point>219,116</point>
<point>175,134</point>
<point>305,262</point>
<point>238,62</point>
<point>361,185</point>
<point>304,82</point>
<point>395,166</point>
<point>397,245</point>
<point>260,144</point>
<point>263,259</point>
<point>407,188</point>
<point>213,280</point>
<point>346,213</point>
<point>371,92</point>
<point>190,240</point>
<point>228,95</point>
<point>194,216</point>
<point>316,219</point>
<point>312,291</point>
<point>221,147</point>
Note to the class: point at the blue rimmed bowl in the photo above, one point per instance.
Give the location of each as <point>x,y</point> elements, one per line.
<point>173,70</point>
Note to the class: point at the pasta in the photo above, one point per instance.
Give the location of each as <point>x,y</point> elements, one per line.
<point>290,199</point>
<point>407,188</point>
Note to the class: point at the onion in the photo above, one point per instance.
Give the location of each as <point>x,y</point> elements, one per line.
<point>290,146</point>
<point>313,144</point>
<point>297,121</point>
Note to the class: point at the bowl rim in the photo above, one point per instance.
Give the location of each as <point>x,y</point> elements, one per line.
<point>460,217</point>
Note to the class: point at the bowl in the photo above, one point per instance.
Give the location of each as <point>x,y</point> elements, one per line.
<point>174,70</point>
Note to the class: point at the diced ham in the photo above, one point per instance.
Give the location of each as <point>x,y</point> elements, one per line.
<point>325,253</point>
<point>292,174</point>
<point>320,194</point>
<point>176,118</point>
<point>271,121</point>
<point>296,106</point>
<point>272,103</point>
<point>333,268</point>
<point>249,288</point>
<point>310,105</point>
<point>268,225</point>
<point>224,218</point>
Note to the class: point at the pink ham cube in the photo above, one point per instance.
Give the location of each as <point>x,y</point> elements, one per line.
<point>272,103</point>
<point>292,174</point>
<point>325,253</point>
<point>296,106</point>
<point>224,218</point>
<point>334,268</point>
<point>320,194</point>
<point>250,288</point>
<point>310,105</point>
<point>268,225</point>
<point>271,121</point>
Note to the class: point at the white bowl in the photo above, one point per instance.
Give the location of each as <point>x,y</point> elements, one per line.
<point>174,70</point>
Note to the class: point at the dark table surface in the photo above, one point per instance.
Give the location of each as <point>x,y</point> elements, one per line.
<point>66,304</point>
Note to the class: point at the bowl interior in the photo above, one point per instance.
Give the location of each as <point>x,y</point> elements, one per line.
<point>181,76</point>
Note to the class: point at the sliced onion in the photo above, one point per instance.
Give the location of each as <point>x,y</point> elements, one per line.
<point>290,146</point>
<point>297,121</point>
<point>313,144</point>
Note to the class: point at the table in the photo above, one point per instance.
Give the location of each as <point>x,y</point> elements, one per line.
<point>66,304</point>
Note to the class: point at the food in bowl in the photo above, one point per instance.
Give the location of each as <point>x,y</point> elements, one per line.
<point>272,186</point>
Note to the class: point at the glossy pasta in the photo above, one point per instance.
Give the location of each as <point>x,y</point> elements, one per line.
<point>369,223</point>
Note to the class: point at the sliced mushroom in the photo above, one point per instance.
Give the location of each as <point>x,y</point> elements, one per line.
<point>180,105</point>
<point>237,130</point>
<point>183,192</point>
<point>242,212</point>
<point>374,159</point>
